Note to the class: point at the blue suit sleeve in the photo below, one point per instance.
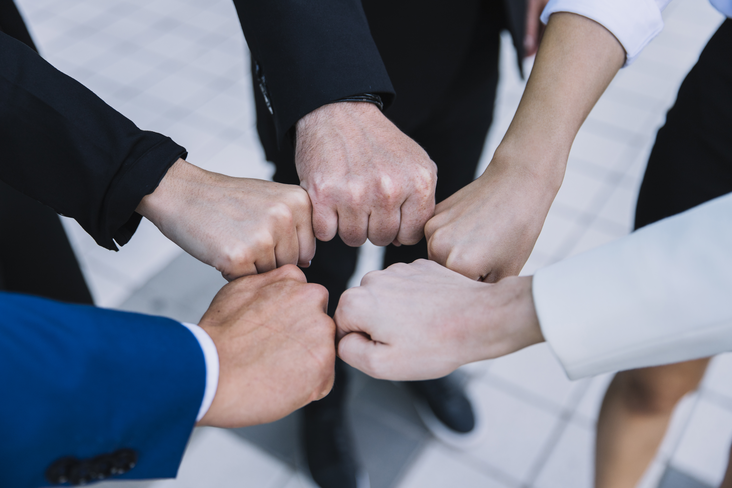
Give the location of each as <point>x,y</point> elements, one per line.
<point>81,381</point>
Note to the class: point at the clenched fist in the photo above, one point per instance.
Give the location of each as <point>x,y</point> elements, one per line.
<point>366,179</point>
<point>275,345</point>
<point>241,226</point>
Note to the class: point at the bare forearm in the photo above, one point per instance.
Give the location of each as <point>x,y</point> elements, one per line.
<point>576,61</point>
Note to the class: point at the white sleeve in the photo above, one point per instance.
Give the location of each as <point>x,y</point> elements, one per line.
<point>633,22</point>
<point>211,357</point>
<point>660,295</point>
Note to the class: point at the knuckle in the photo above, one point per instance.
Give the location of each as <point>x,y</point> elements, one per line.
<point>436,248</point>
<point>262,241</point>
<point>291,272</point>
<point>281,214</point>
<point>236,258</point>
<point>388,192</point>
<point>369,277</point>
<point>299,198</point>
<point>430,228</point>
<point>317,292</point>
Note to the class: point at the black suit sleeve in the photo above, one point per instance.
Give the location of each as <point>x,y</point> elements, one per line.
<point>65,147</point>
<point>309,54</point>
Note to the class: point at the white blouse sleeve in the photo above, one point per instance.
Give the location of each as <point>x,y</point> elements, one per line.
<point>633,22</point>
<point>660,295</point>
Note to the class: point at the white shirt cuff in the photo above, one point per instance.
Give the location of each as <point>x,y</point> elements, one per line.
<point>211,357</point>
<point>634,23</point>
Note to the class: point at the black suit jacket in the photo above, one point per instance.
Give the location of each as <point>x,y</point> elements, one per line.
<point>307,54</point>
<point>65,147</point>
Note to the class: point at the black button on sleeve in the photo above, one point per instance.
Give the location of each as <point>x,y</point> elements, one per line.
<point>123,461</point>
<point>58,472</point>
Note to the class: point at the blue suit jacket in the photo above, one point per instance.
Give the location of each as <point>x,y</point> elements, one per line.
<point>84,382</point>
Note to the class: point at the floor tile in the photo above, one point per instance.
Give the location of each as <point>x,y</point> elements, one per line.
<point>516,432</point>
<point>588,407</point>
<point>619,207</point>
<point>300,480</point>
<point>653,475</point>
<point>536,373</point>
<point>219,459</point>
<point>704,446</point>
<point>557,229</point>
<point>582,192</point>
<point>673,478</point>
<point>595,236</point>
<point>718,376</point>
<point>439,467</point>
<point>570,464</point>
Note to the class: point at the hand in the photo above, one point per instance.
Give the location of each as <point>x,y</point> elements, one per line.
<point>487,230</point>
<point>534,27</point>
<point>240,226</point>
<point>275,345</point>
<point>421,321</point>
<point>366,179</point>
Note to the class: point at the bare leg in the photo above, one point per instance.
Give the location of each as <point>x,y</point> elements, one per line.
<point>634,416</point>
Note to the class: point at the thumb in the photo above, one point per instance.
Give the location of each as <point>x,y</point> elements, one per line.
<point>360,352</point>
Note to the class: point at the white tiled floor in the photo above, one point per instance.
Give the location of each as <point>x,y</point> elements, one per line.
<point>180,67</point>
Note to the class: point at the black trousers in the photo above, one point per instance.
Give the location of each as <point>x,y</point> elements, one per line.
<point>450,124</point>
<point>35,254</point>
<point>691,160</point>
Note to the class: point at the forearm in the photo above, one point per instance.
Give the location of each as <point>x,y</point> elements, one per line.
<point>68,149</point>
<point>576,61</point>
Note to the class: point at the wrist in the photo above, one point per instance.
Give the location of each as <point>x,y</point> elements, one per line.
<point>165,200</point>
<point>534,162</point>
<point>335,113</point>
<point>512,323</point>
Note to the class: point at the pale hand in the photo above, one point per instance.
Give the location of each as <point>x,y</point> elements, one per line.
<point>275,345</point>
<point>421,321</point>
<point>487,230</point>
<point>365,178</point>
<point>241,226</point>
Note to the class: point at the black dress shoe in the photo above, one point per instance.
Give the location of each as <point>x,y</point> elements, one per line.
<point>446,410</point>
<point>329,449</point>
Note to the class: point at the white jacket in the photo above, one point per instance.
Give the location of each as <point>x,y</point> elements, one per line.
<point>663,294</point>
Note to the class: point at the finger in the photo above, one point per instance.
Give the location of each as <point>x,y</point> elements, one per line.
<point>236,264</point>
<point>288,272</point>
<point>438,250</point>
<point>466,266</point>
<point>287,248</point>
<point>266,261</point>
<point>383,225</point>
<point>352,226</point>
<point>415,213</point>
<point>362,353</point>
<point>325,221</point>
<point>302,214</point>
<point>319,296</point>
<point>244,269</point>
<point>306,242</point>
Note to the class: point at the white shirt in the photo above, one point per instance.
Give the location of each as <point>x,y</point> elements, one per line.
<point>211,358</point>
<point>633,22</point>
<point>661,295</point>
